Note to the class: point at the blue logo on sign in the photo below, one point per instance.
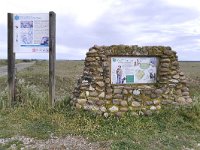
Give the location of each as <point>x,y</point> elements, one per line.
<point>16,17</point>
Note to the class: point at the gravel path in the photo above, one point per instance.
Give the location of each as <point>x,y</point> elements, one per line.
<point>20,66</point>
<point>55,143</point>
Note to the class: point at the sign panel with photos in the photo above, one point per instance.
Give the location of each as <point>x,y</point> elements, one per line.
<point>133,70</point>
<point>31,33</point>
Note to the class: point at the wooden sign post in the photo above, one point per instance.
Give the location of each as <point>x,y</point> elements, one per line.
<point>52,57</point>
<point>11,62</point>
<point>47,43</point>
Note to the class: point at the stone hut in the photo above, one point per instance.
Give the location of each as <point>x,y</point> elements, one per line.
<point>98,91</point>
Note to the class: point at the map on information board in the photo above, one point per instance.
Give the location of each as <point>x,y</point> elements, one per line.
<point>31,33</point>
<point>133,70</point>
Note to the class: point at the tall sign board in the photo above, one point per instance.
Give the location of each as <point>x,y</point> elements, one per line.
<point>31,33</point>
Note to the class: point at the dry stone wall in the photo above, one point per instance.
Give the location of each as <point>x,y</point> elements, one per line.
<point>94,91</point>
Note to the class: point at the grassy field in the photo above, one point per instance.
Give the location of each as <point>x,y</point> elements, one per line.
<point>170,129</point>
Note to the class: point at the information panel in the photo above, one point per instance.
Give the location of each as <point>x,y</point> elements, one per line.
<point>31,33</point>
<point>133,70</point>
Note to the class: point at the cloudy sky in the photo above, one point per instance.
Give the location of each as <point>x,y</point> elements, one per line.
<point>84,23</point>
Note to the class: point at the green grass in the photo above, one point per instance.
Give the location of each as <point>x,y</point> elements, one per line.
<point>170,129</point>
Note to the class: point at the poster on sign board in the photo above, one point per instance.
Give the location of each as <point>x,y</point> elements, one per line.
<point>133,70</point>
<point>31,33</point>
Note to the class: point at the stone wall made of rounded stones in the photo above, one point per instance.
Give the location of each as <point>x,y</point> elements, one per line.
<point>95,92</point>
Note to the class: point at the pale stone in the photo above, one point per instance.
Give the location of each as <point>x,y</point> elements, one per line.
<point>135,104</point>
<point>117,91</point>
<point>100,69</point>
<point>158,107</point>
<point>118,96</point>
<point>136,92</point>
<point>176,76</point>
<point>106,115</point>
<point>94,94</point>
<point>125,92</point>
<point>181,74</point>
<point>100,102</point>
<point>124,109</point>
<point>95,108</point>
<point>124,103</point>
<point>156,102</point>
<point>109,96</point>
<point>103,109</point>
<point>178,92</point>
<point>185,93</point>
<point>91,88</point>
<point>189,100</point>
<point>134,113</point>
<point>115,101</point>
<point>165,65</point>
<point>158,91</point>
<point>165,60</point>
<point>101,84</point>
<point>185,89</point>
<point>102,95</point>
<point>149,103</point>
<point>81,101</point>
<point>87,93</point>
<point>114,109</point>
<point>180,100</point>
<point>92,51</point>
<point>173,72</point>
<point>82,95</point>
<point>174,81</point>
<point>78,106</point>
<point>152,108</point>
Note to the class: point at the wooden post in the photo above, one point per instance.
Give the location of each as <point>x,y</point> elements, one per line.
<point>11,62</point>
<point>52,57</point>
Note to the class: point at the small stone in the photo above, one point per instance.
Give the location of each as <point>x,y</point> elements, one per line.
<point>148,113</point>
<point>91,88</point>
<point>118,96</point>
<point>81,101</point>
<point>119,114</point>
<point>136,92</point>
<point>149,103</point>
<point>78,106</point>
<point>134,113</point>
<point>174,81</point>
<point>91,51</point>
<point>125,92</point>
<point>102,95</point>
<point>115,101</point>
<point>153,95</point>
<point>156,102</point>
<point>158,91</point>
<point>94,94</point>
<point>114,109</point>
<point>87,93</point>
<point>103,109</point>
<point>158,107</point>
<point>185,93</point>
<point>106,115</point>
<point>109,96</point>
<point>82,95</point>
<point>180,100</point>
<point>123,103</point>
<point>189,100</point>
<point>185,89</point>
<point>117,91</point>
<point>178,92</point>
<point>135,104</point>
<point>152,108</point>
<point>176,76</point>
<point>181,74</point>
<point>100,102</point>
<point>164,69</point>
<point>165,65</point>
<point>173,72</point>
<point>101,84</point>
<point>124,109</point>
<point>100,70</point>
<point>165,60</point>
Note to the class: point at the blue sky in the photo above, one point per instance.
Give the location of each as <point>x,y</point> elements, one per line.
<point>82,24</point>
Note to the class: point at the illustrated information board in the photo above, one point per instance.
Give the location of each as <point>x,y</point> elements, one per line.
<point>133,70</point>
<point>31,33</point>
